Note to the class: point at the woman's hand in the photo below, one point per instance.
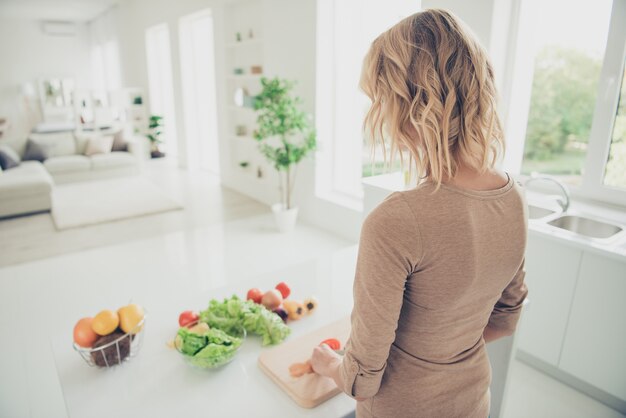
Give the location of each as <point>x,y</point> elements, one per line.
<point>325,361</point>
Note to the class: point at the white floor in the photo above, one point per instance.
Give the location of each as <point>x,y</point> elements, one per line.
<point>35,237</point>
<point>222,242</point>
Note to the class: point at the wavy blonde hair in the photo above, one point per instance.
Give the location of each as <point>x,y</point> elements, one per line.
<point>433,93</point>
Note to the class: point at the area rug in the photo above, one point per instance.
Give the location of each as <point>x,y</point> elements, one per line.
<point>93,202</point>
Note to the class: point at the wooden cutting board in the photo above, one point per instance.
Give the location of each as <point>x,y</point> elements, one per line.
<point>309,390</point>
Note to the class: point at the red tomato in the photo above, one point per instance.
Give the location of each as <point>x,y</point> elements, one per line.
<point>283,289</point>
<point>255,295</point>
<point>188,317</point>
<point>333,343</point>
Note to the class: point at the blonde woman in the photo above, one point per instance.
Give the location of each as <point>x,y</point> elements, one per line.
<point>440,269</point>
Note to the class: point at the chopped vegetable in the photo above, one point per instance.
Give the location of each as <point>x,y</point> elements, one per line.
<point>282,313</point>
<point>200,328</point>
<point>255,295</point>
<point>187,317</point>
<point>283,289</point>
<point>272,299</point>
<point>191,342</point>
<point>294,309</point>
<point>333,343</point>
<point>300,369</point>
<point>310,305</point>
<point>233,313</point>
<point>214,347</point>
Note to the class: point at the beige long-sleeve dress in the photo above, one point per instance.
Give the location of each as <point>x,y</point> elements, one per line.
<point>433,270</point>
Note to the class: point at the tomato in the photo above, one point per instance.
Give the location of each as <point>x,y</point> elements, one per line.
<point>283,289</point>
<point>255,295</point>
<point>333,343</point>
<point>188,317</point>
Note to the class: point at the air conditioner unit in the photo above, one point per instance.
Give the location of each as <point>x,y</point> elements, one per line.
<point>59,28</point>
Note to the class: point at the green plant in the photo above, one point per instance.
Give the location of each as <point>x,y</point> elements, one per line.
<point>284,132</point>
<point>155,126</point>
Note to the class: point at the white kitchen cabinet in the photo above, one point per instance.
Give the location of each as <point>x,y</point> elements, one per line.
<point>595,341</point>
<point>551,271</point>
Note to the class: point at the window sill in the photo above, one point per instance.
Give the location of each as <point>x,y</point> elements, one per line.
<point>343,200</point>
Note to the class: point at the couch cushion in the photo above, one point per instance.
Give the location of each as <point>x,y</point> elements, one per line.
<point>112,160</point>
<point>58,144</point>
<point>99,145</point>
<point>30,177</point>
<point>8,157</point>
<point>36,151</point>
<point>67,163</point>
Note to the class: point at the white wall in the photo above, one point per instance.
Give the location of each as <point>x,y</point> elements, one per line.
<point>289,32</point>
<point>27,54</point>
<point>134,17</point>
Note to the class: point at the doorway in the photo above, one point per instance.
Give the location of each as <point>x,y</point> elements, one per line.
<point>197,64</point>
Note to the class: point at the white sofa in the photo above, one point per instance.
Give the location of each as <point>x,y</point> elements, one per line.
<point>24,189</point>
<point>27,188</point>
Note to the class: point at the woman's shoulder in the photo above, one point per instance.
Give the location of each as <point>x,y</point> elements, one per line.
<point>393,212</point>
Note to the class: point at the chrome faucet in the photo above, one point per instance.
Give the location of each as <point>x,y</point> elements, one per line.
<point>564,200</point>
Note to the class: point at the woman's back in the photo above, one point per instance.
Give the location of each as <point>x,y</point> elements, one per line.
<point>463,251</point>
<point>475,246</point>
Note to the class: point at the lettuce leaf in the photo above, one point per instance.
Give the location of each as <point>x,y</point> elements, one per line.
<point>231,314</point>
<point>209,349</point>
<point>191,343</point>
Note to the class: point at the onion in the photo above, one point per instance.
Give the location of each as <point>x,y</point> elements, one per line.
<point>272,299</point>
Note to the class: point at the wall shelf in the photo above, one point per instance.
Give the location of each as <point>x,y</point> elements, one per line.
<point>240,109</point>
<point>245,76</point>
<point>244,43</point>
<point>244,138</point>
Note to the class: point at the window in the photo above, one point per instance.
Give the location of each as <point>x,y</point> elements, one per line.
<point>197,67</point>
<point>105,62</point>
<point>160,83</point>
<point>567,67</point>
<point>572,126</point>
<point>345,29</point>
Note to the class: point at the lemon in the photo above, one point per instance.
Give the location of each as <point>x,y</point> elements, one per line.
<point>130,316</point>
<point>105,322</point>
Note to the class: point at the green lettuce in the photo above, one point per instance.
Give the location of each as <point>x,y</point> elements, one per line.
<point>231,314</point>
<point>191,343</point>
<point>209,349</point>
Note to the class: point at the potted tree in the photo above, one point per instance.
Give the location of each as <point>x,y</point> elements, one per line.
<point>155,126</point>
<point>285,137</point>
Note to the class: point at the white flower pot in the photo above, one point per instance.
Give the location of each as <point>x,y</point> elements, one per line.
<point>285,219</point>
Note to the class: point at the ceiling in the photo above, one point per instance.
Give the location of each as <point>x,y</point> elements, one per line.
<point>59,10</point>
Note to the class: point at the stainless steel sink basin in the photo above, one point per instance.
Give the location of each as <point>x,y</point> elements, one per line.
<point>585,226</point>
<point>536,212</point>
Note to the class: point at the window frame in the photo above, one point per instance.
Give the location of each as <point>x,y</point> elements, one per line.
<point>601,134</point>
<point>605,112</point>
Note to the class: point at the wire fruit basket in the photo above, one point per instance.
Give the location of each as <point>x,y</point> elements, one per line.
<point>115,348</point>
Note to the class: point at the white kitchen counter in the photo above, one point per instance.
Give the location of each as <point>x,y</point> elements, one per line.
<point>41,375</point>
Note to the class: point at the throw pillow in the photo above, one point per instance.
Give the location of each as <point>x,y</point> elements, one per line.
<point>8,157</point>
<point>57,143</point>
<point>99,145</point>
<point>36,151</point>
<point>119,144</point>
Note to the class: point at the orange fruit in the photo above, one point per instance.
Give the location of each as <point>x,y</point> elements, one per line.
<point>130,316</point>
<point>84,335</point>
<point>105,322</point>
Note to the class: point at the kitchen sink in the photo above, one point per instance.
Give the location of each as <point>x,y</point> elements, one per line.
<point>585,226</point>
<point>536,212</point>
